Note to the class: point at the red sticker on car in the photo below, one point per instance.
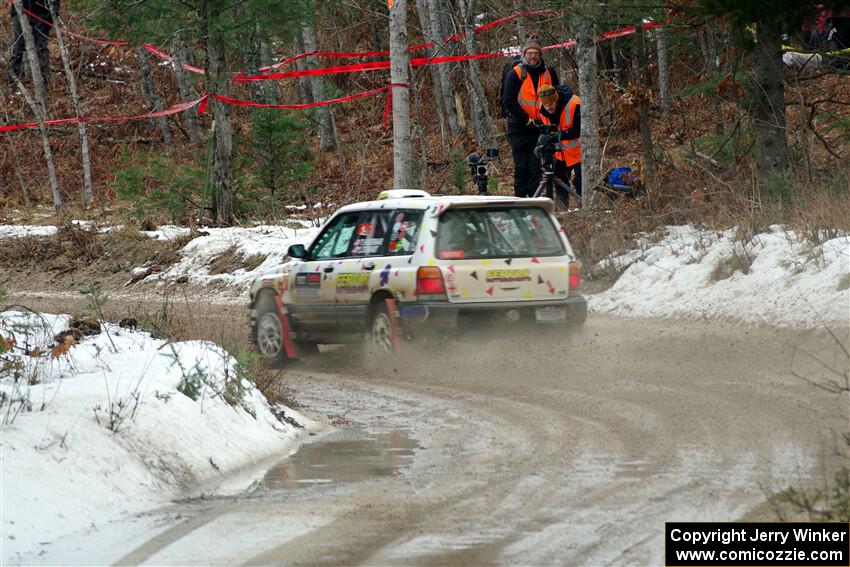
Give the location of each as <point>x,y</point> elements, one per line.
<point>451,254</point>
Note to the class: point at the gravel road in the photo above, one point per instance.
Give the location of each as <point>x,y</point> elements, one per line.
<point>532,450</point>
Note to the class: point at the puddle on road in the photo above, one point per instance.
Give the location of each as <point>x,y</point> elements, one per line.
<point>346,455</point>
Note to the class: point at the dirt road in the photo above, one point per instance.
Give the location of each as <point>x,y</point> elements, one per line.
<point>531,451</point>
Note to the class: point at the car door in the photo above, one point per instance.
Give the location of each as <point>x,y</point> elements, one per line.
<point>313,307</point>
<point>358,275</point>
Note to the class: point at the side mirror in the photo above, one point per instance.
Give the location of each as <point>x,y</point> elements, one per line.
<point>297,251</point>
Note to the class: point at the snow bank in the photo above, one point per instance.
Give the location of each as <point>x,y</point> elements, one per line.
<point>775,278</point>
<point>102,431</point>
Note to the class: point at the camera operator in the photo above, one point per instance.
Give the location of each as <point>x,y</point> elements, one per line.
<point>563,108</point>
<point>40,17</point>
<point>521,107</point>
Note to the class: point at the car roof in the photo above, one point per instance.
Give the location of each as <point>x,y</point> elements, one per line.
<point>414,199</point>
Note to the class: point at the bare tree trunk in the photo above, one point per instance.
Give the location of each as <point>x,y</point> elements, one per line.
<point>317,86</point>
<point>222,139</point>
<point>446,93</point>
<point>72,85</point>
<point>154,102</point>
<point>400,89</point>
<point>418,132</point>
<point>663,70</point>
<point>425,23</point>
<point>643,107</point>
<point>37,104</point>
<point>481,122</point>
<point>16,160</point>
<point>588,84</point>
<point>709,54</point>
<point>266,56</point>
<point>184,85</point>
<point>305,91</point>
<point>767,107</point>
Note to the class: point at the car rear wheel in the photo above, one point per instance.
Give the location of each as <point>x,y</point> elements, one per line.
<point>382,331</point>
<point>269,333</point>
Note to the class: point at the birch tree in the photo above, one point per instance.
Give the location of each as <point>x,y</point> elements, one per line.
<point>588,85</point>
<point>663,70</point>
<point>400,89</point>
<point>446,93</point>
<point>327,141</point>
<point>481,122</point>
<point>643,105</point>
<point>81,126</point>
<point>37,102</point>
<point>180,57</point>
<point>439,103</point>
<point>154,102</point>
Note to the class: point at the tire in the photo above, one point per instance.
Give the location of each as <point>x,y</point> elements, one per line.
<point>269,333</point>
<point>380,336</point>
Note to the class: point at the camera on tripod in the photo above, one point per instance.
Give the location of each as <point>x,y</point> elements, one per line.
<point>479,167</point>
<point>545,148</point>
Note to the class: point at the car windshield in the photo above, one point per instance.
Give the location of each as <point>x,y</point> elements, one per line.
<point>513,232</point>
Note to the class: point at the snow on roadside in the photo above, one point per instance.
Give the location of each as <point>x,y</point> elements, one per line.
<point>102,431</point>
<point>776,278</point>
<point>273,242</point>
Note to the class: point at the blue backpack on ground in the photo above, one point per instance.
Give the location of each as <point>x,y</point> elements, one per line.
<point>622,182</point>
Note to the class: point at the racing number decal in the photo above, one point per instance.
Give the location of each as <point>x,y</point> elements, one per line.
<point>505,276</point>
<point>352,283</point>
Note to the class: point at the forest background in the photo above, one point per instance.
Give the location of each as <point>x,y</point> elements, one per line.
<point>719,131</point>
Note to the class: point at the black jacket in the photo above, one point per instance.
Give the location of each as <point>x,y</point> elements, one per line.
<point>564,95</point>
<point>38,7</point>
<point>517,118</point>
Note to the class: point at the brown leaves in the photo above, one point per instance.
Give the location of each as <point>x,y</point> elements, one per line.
<point>63,347</point>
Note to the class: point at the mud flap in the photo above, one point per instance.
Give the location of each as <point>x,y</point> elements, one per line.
<point>395,324</point>
<point>283,315</point>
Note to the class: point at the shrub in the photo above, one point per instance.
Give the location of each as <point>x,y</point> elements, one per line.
<point>156,185</point>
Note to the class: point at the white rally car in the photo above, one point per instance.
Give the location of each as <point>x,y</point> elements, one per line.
<point>388,269</point>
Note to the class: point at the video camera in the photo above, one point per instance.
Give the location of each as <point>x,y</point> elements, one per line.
<point>545,148</point>
<point>479,167</point>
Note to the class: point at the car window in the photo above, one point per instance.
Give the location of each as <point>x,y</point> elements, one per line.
<point>371,230</point>
<point>513,232</point>
<point>404,232</point>
<point>334,241</point>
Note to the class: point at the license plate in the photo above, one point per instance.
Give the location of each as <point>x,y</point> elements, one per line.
<point>550,313</point>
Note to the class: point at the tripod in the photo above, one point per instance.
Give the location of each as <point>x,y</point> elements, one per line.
<point>548,181</point>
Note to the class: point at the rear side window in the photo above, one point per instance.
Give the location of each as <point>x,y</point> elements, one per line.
<point>404,232</point>
<point>515,232</point>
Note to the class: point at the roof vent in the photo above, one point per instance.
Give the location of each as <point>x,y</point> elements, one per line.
<point>402,194</point>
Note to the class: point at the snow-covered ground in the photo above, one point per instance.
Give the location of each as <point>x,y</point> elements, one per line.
<point>119,423</point>
<point>123,422</point>
<point>774,278</point>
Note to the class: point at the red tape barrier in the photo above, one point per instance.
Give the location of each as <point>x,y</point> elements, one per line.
<point>359,54</point>
<point>237,102</point>
<point>182,107</point>
<point>203,102</point>
<point>420,61</point>
<point>325,54</point>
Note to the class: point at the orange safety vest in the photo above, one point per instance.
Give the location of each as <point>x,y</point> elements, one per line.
<point>568,151</point>
<point>527,97</point>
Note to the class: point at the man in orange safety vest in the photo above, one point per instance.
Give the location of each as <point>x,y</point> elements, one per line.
<point>521,107</point>
<point>559,105</point>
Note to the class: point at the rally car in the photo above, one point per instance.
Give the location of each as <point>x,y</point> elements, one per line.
<point>409,262</point>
